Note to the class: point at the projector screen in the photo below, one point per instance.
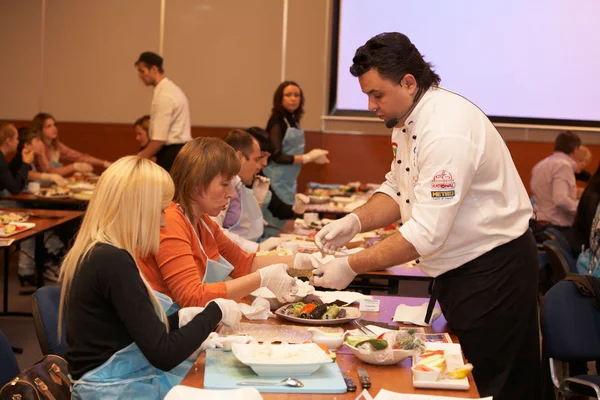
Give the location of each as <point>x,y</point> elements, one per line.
<point>535,61</point>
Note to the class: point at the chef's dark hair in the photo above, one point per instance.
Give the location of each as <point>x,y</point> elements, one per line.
<point>393,55</point>
<point>566,142</point>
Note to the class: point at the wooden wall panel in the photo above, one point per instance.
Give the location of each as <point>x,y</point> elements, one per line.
<point>364,158</point>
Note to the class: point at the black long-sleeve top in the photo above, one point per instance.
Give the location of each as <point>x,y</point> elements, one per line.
<point>276,128</point>
<point>108,308</point>
<point>13,176</point>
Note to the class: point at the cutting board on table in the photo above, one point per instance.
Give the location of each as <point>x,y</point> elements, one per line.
<point>223,371</point>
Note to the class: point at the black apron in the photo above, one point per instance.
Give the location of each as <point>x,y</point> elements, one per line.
<point>490,303</point>
<point>166,155</point>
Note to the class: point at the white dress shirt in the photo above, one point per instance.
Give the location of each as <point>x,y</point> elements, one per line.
<point>554,189</point>
<point>454,180</point>
<point>170,114</point>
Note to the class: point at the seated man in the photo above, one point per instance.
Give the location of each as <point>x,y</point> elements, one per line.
<point>242,220</point>
<point>553,184</point>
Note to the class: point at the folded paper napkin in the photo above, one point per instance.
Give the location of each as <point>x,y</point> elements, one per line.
<point>415,314</point>
<point>304,289</point>
<point>181,392</point>
<point>260,309</point>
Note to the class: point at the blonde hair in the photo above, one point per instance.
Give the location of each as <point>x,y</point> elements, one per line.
<point>197,164</point>
<point>124,211</point>
<point>585,155</point>
<point>7,130</point>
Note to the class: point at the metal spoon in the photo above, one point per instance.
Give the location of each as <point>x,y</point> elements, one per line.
<point>293,382</point>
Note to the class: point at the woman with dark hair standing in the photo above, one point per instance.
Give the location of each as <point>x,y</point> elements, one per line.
<point>288,147</point>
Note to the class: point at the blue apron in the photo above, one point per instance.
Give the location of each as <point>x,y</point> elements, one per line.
<point>129,375</point>
<point>283,177</point>
<point>250,224</point>
<point>216,271</point>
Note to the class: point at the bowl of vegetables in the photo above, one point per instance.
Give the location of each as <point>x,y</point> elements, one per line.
<point>387,349</point>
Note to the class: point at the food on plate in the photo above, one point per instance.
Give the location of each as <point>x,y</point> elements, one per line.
<point>331,354</point>
<point>314,311</point>
<point>460,373</point>
<point>376,344</point>
<point>280,251</point>
<point>13,217</point>
<point>11,228</point>
<point>434,361</point>
<point>56,191</point>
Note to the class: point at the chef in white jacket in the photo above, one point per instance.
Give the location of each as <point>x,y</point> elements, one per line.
<point>464,213</point>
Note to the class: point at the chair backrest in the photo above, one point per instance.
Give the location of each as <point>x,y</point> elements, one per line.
<point>8,363</point>
<point>560,238</point>
<point>45,304</point>
<point>570,324</point>
<point>561,263</point>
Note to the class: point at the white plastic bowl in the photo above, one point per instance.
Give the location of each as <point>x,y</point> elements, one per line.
<point>382,357</point>
<point>426,376</point>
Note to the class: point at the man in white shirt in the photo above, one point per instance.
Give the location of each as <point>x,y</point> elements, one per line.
<point>465,217</point>
<point>553,183</point>
<point>170,127</point>
<point>243,219</point>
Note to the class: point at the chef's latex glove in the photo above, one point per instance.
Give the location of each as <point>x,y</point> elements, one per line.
<point>270,244</point>
<point>187,314</point>
<point>56,178</point>
<point>260,187</point>
<point>337,233</point>
<point>83,167</point>
<point>230,310</point>
<point>276,279</point>
<point>313,155</point>
<point>322,160</point>
<point>335,274</point>
<point>305,261</point>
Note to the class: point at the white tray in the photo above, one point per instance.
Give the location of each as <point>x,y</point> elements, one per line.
<point>27,225</point>
<point>454,359</point>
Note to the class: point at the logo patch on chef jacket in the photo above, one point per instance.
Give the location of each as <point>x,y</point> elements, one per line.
<point>443,185</point>
<point>394,148</point>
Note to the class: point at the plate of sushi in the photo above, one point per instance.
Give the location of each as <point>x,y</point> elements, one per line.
<point>317,314</point>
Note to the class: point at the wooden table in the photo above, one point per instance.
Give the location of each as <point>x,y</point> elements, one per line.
<point>397,378</point>
<point>393,275</point>
<point>39,202</point>
<point>44,220</point>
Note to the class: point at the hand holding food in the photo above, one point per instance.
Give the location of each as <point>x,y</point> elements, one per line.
<point>338,233</point>
<point>335,274</point>
<point>276,279</point>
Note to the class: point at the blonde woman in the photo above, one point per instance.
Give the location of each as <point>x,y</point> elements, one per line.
<point>120,340</point>
<point>196,259</point>
<point>56,152</point>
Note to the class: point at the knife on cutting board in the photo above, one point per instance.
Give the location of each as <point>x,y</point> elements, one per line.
<point>365,381</point>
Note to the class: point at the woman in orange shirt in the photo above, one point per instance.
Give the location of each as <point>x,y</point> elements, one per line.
<point>195,257</point>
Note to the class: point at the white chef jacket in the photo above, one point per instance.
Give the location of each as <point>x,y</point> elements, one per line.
<point>454,180</point>
<point>170,114</point>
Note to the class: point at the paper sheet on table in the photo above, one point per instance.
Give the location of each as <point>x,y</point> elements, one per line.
<point>345,296</point>
<point>415,314</point>
<point>387,395</point>
<point>181,392</point>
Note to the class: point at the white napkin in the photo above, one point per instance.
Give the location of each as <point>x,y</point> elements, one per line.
<point>260,309</point>
<point>304,289</point>
<point>345,296</point>
<point>415,314</point>
<point>181,392</point>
